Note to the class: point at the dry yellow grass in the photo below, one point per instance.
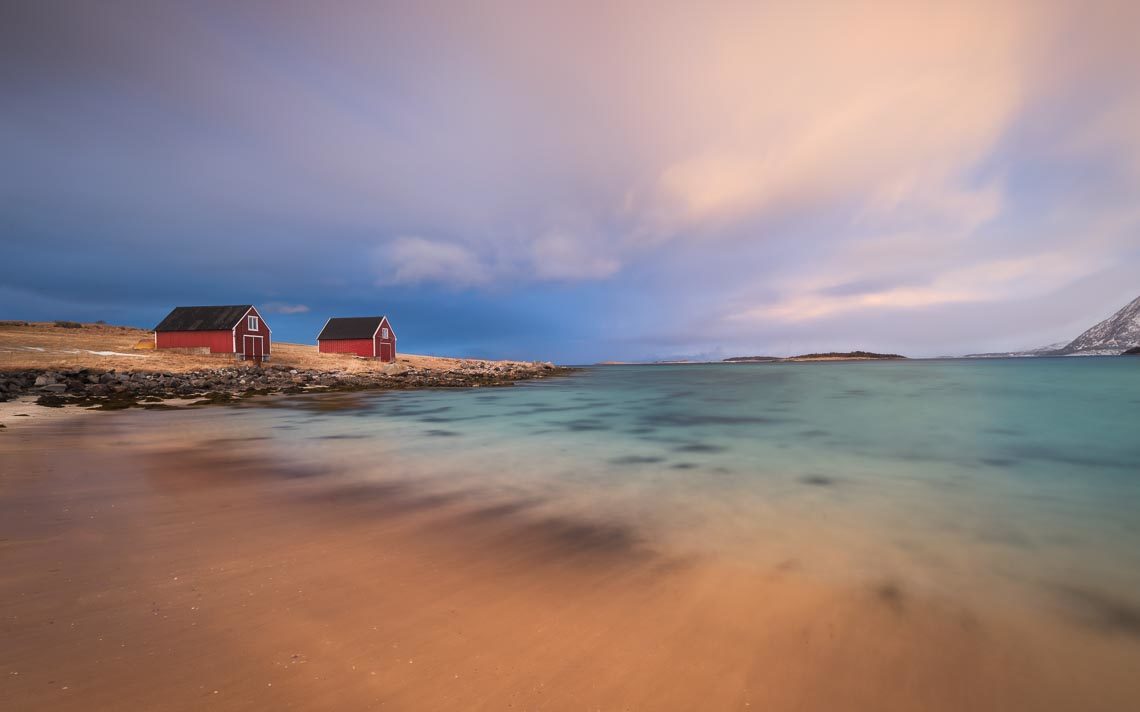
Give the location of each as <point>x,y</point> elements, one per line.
<point>98,346</point>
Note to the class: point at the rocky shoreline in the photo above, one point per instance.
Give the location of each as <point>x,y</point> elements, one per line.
<point>119,389</point>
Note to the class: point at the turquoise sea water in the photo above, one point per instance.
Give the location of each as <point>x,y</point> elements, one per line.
<point>1017,477</point>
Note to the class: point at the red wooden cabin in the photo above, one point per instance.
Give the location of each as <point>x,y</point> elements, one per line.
<point>237,329</point>
<point>366,336</point>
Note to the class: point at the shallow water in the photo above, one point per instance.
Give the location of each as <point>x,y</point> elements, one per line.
<point>1003,479</point>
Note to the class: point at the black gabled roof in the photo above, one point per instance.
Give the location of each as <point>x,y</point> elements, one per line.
<point>203,318</point>
<point>350,327</point>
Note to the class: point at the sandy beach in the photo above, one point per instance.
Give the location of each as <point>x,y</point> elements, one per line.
<point>141,569</point>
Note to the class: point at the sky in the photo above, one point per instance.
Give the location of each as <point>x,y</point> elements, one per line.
<point>579,181</point>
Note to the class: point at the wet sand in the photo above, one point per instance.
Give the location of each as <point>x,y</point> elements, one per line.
<point>171,577</point>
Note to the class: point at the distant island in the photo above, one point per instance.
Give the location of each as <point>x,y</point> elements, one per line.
<point>826,356</point>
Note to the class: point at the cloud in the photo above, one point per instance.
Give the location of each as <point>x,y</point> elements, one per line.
<point>414,260</point>
<point>283,308</point>
<point>563,256</point>
<point>557,256</point>
<point>985,281</point>
<point>809,111</point>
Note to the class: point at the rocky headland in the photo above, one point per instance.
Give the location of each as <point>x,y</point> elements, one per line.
<point>111,367</point>
<point>115,389</point>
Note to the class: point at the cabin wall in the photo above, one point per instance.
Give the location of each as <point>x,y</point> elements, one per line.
<point>218,342</point>
<point>360,347</point>
<point>388,354</point>
<point>263,331</point>
<point>382,353</point>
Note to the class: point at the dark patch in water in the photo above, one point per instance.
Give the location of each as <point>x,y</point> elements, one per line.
<point>1068,457</point>
<point>357,492</point>
<point>1101,611</point>
<point>582,424</point>
<point>1005,536</point>
<point>539,409</point>
<point>564,537</point>
<point>339,436</point>
<point>819,481</point>
<point>327,404</point>
<point>689,420</point>
<point>383,498</point>
<point>641,431</point>
<point>496,512</point>
<point>787,566</point>
<point>406,411</point>
<point>814,433</point>
<point>699,447</point>
<point>1003,431</point>
<point>437,419</point>
<point>684,465</point>
<point>223,441</point>
<point>536,542</point>
<point>437,433</point>
<point>214,467</point>
<point>636,460</point>
<point>718,399</point>
<point>998,462</point>
<point>891,595</point>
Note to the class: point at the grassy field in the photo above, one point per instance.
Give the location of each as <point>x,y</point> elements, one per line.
<point>44,345</point>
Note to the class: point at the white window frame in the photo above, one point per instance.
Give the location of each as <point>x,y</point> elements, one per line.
<point>384,332</point>
<point>252,323</point>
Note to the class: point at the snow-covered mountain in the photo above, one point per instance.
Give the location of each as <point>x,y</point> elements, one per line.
<point>1113,336</point>
<point>1119,332</point>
